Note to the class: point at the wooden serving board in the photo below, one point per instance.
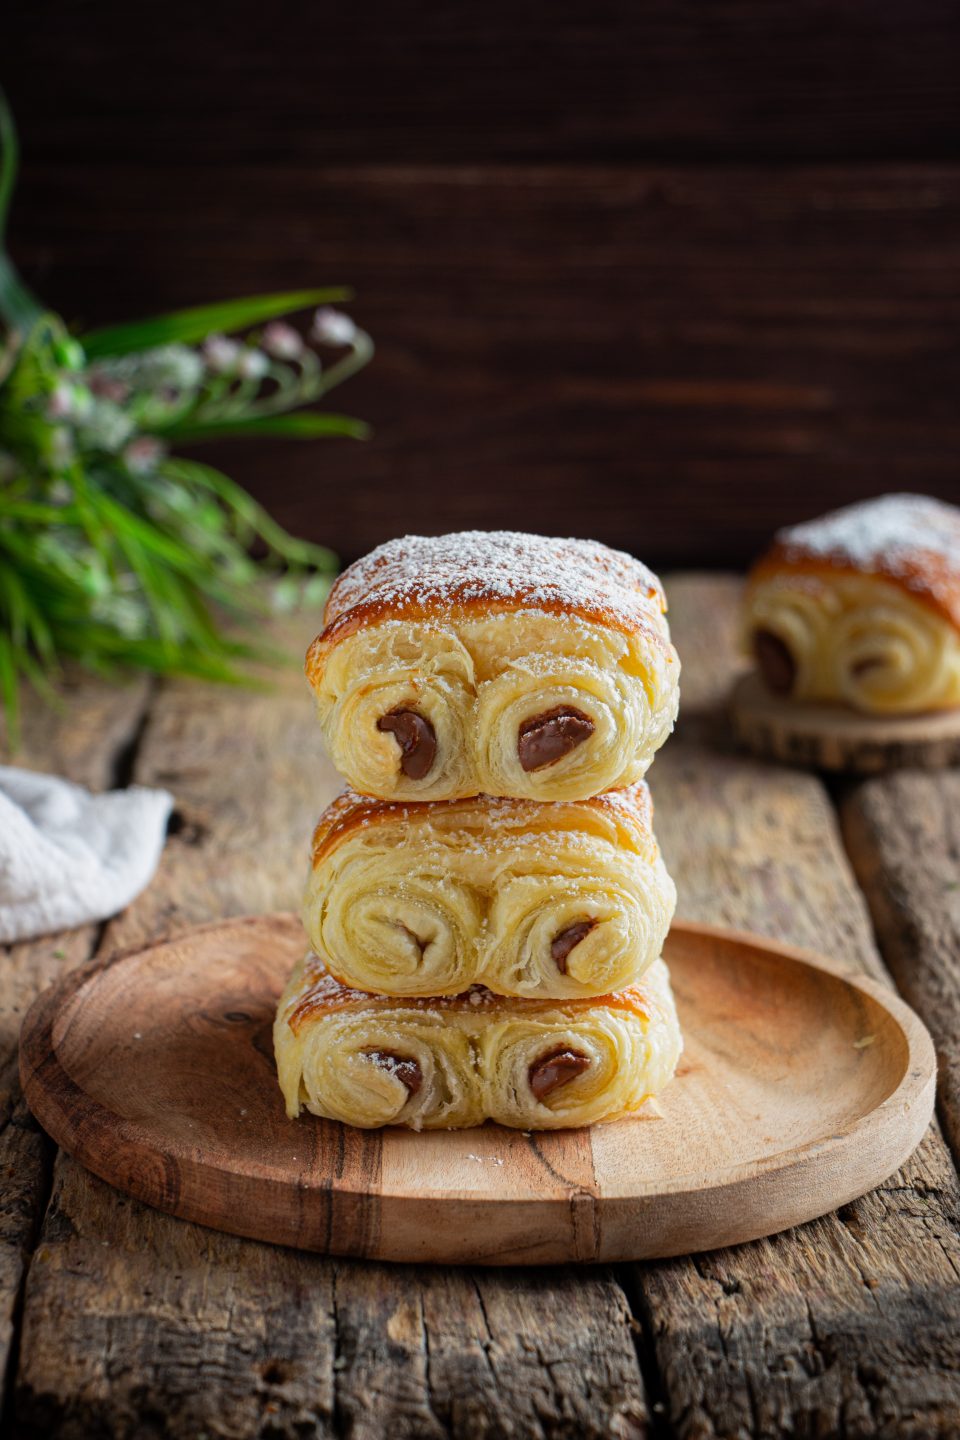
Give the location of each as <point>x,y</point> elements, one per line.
<point>800,1088</point>
<point>830,737</point>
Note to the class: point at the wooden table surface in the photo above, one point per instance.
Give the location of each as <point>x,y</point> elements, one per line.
<point>119,1321</point>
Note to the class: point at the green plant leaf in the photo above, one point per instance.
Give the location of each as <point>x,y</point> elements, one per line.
<point>36,513</point>
<point>25,622</point>
<point>305,425</point>
<point>19,306</point>
<point>174,570</point>
<point>126,525</point>
<point>9,161</point>
<point>9,691</point>
<point>190,326</point>
<point>252,515</point>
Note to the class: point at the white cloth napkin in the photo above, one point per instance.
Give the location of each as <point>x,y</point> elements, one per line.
<point>67,856</point>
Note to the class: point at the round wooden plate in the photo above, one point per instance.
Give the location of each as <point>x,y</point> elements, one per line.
<point>829,737</point>
<point>799,1089</point>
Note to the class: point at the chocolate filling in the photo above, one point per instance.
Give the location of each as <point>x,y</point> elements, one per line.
<point>562,944</point>
<point>416,738</point>
<point>863,667</point>
<point>548,737</point>
<point>555,1069</point>
<point>777,665</point>
<point>404,1067</point>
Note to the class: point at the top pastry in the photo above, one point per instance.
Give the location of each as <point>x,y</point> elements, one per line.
<point>862,606</point>
<point>494,662</point>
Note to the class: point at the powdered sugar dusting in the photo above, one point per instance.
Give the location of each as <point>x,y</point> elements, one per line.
<point>873,534</point>
<point>912,541</point>
<point>630,803</point>
<point>500,567</point>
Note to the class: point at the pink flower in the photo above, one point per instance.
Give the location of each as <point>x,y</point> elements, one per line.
<point>142,454</point>
<point>252,364</point>
<point>282,341</point>
<point>60,404</point>
<point>221,354</point>
<point>332,327</point>
<point>107,388</point>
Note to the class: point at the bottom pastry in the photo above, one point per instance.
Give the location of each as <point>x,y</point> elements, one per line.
<point>456,1061</point>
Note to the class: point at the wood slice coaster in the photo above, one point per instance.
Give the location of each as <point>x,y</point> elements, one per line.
<point>800,1088</point>
<point>830,737</point>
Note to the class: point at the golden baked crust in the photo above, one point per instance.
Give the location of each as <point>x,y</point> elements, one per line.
<point>559,899</point>
<point>494,663</point>
<point>370,1060</point>
<point>862,607</point>
<point>423,577</point>
<point>630,810</point>
<point>911,541</point>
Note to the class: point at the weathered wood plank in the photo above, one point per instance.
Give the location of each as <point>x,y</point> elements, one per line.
<point>848,1326</point>
<point>85,741</point>
<point>703,615</point>
<point>903,835</point>
<point>672,358</point>
<point>851,1325</point>
<point>132,1319</point>
<point>486,1353</point>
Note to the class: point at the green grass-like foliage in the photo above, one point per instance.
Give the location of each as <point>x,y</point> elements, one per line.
<point>115,552</point>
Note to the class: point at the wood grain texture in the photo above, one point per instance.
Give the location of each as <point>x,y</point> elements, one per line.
<point>464,84</point>
<point>798,1090</point>
<point>87,743</point>
<point>437,1352</point>
<point>191,1332</point>
<point>832,737</point>
<point>848,1326</point>
<point>704,612</point>
<point>133,1319</point>
<point>903,834</point>
<point>674,359</point>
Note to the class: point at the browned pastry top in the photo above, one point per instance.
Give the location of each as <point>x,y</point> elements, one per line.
<point>322,995</point>
<point>911,540</point>
<point>478,572</point>
<point>350,812</point>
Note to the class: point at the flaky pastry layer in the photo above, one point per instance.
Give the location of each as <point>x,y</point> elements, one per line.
<point>862,607</point>
<point>563,899</point>
<point>450,1063</point>
<point>521,703</point>
<point>856,640</point>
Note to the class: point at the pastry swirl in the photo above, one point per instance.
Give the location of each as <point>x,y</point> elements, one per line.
<point>862,608</point>
<point>554,900</point>
<point>495,663</point>
<point>431,1064</point>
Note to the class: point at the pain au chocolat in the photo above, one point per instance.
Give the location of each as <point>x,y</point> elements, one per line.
<point>862,607</point>
<point>549,900</point>
<point>496,663</point>
<point>371,1060</point>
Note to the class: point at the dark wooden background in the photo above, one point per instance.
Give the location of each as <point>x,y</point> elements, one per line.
<point>667,273</point>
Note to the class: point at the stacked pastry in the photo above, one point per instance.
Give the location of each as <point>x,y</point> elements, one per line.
<point>486,903</point>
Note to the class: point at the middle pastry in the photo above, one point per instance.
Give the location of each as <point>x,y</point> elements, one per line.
<point>556,900</point>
